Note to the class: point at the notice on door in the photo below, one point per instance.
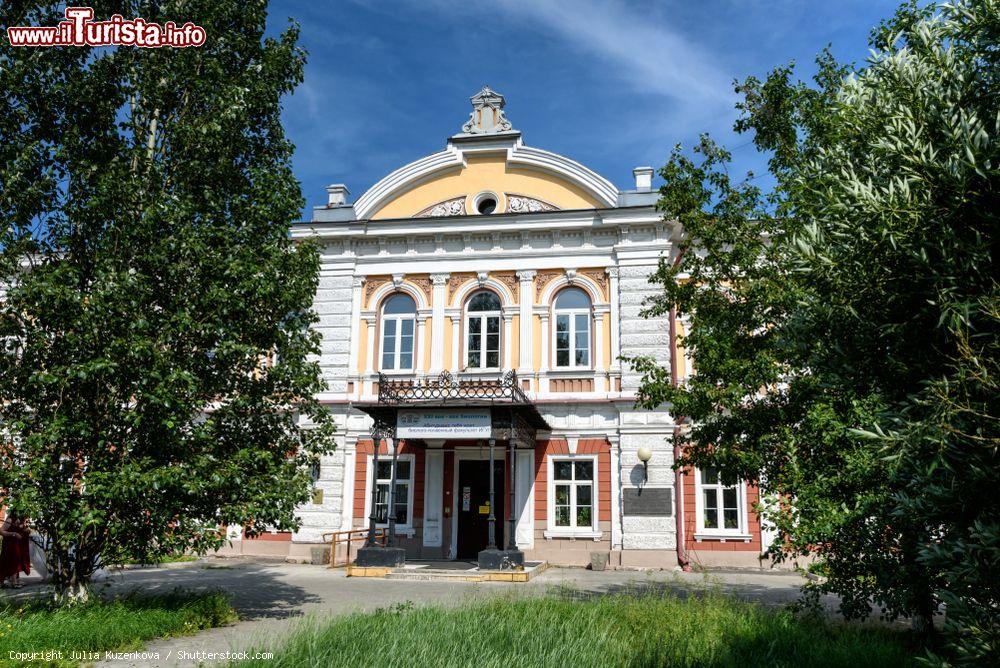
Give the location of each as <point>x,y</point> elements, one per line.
<point>466,499</point>
<point>444,423</point>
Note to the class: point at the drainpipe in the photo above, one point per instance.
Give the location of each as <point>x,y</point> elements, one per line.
<point>682,556</point>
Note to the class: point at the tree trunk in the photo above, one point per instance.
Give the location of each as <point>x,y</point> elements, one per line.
<point>70,573</point>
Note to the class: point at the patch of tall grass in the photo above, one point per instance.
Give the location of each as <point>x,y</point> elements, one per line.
<point>616,630</point>
<point>119,625</point>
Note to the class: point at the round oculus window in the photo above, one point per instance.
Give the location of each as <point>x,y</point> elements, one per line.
<point>486,205</point>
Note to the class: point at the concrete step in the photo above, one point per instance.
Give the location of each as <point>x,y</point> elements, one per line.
<point>428,575</point>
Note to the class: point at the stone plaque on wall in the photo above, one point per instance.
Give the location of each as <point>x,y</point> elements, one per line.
<point>648,501</point>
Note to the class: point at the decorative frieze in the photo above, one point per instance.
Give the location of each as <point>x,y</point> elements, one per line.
<point>510,280</point>
<point>450,207</point>
<point>455,282</point>
<point>522,204</point>
<point>600,278</point>
<point>542,279</point>
<point>372,285</point>
<point>424,284</point>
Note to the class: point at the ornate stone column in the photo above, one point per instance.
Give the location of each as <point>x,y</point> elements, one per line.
<point>370,352</point>
<point>600,368</point>
<point>543,369</point>
<point>440,282</point>
<point>508,320</point>
<point>616,321</point>
<point>357,287</point>
<point>419,361</point>
<point>526,360</point>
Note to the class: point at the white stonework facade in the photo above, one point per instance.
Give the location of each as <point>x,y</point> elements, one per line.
<point>514,227</point>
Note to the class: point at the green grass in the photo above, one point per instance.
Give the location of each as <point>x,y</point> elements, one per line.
<point>119,625</point>
<point>565,630</point>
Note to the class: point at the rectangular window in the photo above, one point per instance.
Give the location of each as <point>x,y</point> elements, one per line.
<point>562,340</point>
<point>720,503</point>
<point>572,342</point>
<point>572,494</point>
<point>397,343</point>
<point>401,500</point>
<point>483,342</point>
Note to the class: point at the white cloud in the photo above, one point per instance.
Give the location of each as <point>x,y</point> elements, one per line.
<point>651,57</point>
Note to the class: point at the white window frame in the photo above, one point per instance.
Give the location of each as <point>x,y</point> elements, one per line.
<point>741,532</point>
<point>406,528</point>
<point>398,318</point>
<point>572,313</point>
<point>573,531</point>
<point>482,316</point>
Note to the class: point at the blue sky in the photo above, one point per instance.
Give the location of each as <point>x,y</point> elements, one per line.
<point>610,83</point>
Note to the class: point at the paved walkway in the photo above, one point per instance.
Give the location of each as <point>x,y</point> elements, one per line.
<point>270,596</point>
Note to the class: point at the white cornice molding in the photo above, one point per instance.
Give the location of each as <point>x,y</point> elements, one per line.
<point>578,219</point>
<point>546,161</point>
<point>418,171</point>
<point>405,178</point>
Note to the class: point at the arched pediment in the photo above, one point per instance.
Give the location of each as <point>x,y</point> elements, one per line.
<point>525,179</point>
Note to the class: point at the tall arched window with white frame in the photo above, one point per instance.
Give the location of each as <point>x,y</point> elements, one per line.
<point>482,327</point>
<point>573,315</point>
<point>399,317</point>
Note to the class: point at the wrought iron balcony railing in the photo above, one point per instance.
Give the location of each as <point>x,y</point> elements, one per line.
<point>444,388</point>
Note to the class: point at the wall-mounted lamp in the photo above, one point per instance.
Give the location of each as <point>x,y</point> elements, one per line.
<point>645,454</point>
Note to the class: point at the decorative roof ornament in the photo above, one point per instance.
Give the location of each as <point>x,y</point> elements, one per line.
<point>487,115</point>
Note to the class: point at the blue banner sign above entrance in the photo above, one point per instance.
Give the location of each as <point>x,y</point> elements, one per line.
<point>443,423</point>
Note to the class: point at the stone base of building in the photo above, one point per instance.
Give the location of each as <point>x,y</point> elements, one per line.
<point>653,559</point>
<point>710,559</point>
<point>501,560</point>
<point>380,557</point>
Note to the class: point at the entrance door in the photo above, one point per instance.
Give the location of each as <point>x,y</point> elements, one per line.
<point>474,506</point>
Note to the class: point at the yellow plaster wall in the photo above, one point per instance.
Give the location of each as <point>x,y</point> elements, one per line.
<point>487,173</point>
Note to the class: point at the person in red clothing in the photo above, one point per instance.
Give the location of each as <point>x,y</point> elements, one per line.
<point>15,553</point>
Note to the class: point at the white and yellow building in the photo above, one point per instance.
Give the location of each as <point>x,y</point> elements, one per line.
<point>486,257</point>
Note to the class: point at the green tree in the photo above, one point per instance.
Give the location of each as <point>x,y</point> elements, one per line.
<point>845,324</point>
<point>158,357</point>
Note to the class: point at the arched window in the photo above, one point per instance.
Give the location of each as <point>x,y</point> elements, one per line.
<point>572,328</point>
<point>482,326</point>
<point>399,315</point>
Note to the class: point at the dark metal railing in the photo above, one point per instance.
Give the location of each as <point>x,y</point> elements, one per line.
<point>446,387</point>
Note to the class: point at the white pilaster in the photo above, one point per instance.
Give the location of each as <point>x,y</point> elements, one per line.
<point>616,491</point>
<point>544,367</point>
<point>616,321</point>
<point>524,492</point>
<point>456,326</point>
<point>357,285</point>
<point>526,354</point>
<point>440,282</point>
<point>433,497</point>
<point>508,320</point>
<point>600,366</point>
<point>370,352</point>
<point>422,318</point>
<point>347,506</point>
